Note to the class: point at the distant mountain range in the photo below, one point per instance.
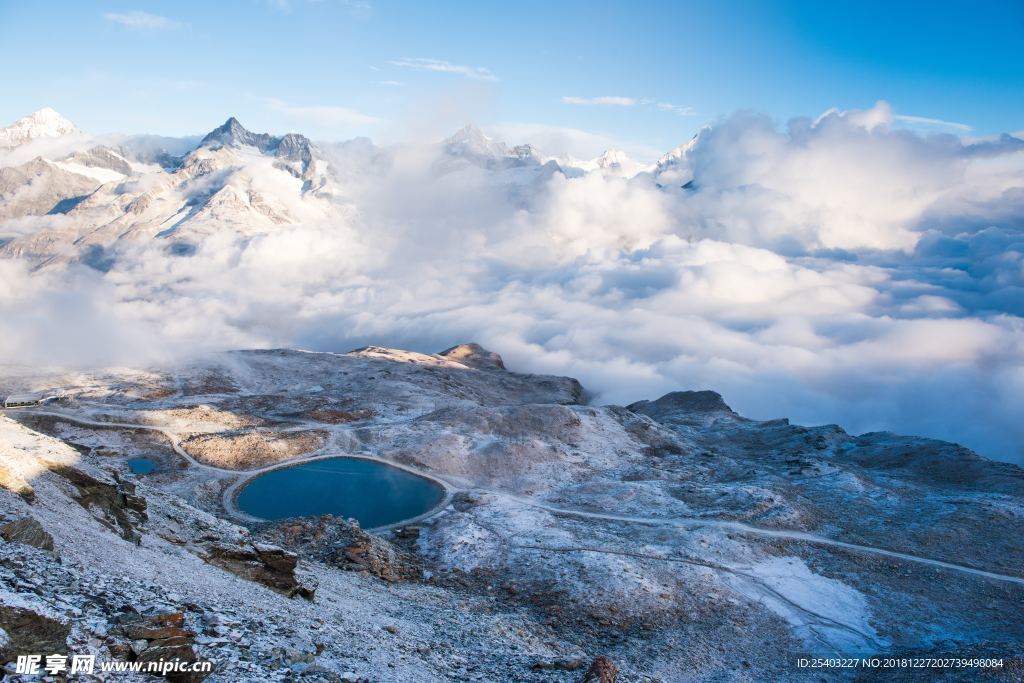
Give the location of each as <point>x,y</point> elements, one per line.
<point>108,194</point>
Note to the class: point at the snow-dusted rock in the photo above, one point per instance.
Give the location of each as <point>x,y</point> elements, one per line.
<point>672,533</point>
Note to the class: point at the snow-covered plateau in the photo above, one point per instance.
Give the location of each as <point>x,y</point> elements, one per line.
<point>673,537</point>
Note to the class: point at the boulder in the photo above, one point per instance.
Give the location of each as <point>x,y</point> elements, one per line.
<point>30,630</point>
<point>269,565</point>
<point>27,531</point>
<point>602,670</point>
<point>160,637</point>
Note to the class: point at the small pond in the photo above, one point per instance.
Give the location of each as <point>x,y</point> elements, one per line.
<point>141,465</point>
<point>372,492</point>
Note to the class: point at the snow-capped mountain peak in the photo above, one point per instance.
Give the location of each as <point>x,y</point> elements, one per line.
<point>471,141</point>
<point>290,147</point>
<point>612,162</point>
<point>613,157</point>
<point>233,133</point>
<point>45,123</point>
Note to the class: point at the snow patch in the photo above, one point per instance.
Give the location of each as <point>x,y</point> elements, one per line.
<point>828,615</point>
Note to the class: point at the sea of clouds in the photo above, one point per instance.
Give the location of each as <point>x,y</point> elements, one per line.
<point>837,269</point>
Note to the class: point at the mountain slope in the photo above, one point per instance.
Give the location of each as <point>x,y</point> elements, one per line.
<point>234,180</point>
<point>670,535</point>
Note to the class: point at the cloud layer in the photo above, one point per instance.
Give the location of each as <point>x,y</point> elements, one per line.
<point>441,66</point>
<point>141,21</point>
<point>835,270</point>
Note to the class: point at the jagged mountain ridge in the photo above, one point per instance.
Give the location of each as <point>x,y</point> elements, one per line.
<point>106,197</point>
<point>292,146</point>
<point>232,180</point>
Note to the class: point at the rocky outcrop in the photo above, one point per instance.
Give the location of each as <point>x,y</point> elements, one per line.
<point>475,356</point>
<point>602,670</point>
<point>686,408</point>
<point>683,402</point>
<point>114,503</point>
<point>269,565</point>
<point>161,637</point>
<point>27,531</point>
<point>344,544</point>
<point>30,629</point>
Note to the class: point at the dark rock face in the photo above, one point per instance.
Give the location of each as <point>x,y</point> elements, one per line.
<point>475,356</point>
<point>114,503</point>
<point>161,637</point>
<point>293,147</point>
<point>684,407</point>
<point>28,532</point>
<point>689,401</point>
<point>234,133</point>
<point>29,632</point>
<point>270,565</point>
<point>290,147</point>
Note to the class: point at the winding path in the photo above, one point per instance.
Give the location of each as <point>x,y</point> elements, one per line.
<point>740,527</point>
<point>676,522</point>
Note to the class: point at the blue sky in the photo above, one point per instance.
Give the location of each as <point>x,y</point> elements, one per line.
<point>644,76</point>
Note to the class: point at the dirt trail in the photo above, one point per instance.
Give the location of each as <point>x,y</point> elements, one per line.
<point>682,522</point>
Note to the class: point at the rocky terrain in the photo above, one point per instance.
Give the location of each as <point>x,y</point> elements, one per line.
<point>668,540</point>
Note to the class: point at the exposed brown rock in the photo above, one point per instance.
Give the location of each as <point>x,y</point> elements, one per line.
<point>344,544</point>
<point>602,670</point>
<point>27,531</point>
<point>270,565</point>
<point>244,450</point>
<point>114,503</point>
<point>161,637</point>
<point>474,356</point>
<point>30,632</point>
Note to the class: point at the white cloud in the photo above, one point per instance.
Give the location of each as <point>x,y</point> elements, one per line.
<point>141,21</point>
<point>559,140</point>
<point>359,9</point>
<point>321,115</point>
<point>836,270</point>
<point>606,100</point>
<point>845,180</point>
<point>392,84</point>
<point>925,121</point>
<point>622,101</point>
<point>676,109</point>
<point>439,65</point>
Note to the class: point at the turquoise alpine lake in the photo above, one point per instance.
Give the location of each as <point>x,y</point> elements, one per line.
<point>374,493</point>
<point>141,465</point>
